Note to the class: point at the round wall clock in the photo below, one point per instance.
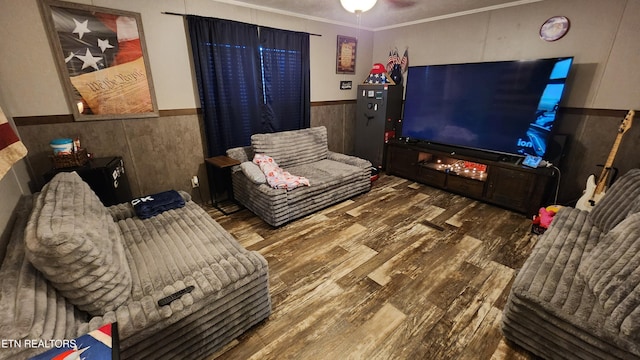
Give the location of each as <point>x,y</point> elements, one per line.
<point>554,28</point>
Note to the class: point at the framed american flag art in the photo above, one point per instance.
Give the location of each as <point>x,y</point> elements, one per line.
<point>102,60</point>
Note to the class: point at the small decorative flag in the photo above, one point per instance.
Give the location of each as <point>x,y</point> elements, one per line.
<point>390,61</point>
<point>100,344</point>
<point>404,63</point>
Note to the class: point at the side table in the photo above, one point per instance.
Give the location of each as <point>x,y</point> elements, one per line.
<point>106,177</point>
<point>220,181</point>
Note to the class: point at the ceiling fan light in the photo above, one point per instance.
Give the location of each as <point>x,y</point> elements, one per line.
<point>357,5</point>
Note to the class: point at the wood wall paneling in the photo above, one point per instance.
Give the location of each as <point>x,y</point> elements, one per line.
<point>162,153</point>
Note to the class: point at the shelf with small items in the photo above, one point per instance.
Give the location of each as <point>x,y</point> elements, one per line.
<point>497,181</point>
<point>453,166</point>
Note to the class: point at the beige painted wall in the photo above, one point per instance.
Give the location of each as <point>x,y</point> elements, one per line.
<point>602,38</point>
<point>159,153</point>
<point>31,84</point>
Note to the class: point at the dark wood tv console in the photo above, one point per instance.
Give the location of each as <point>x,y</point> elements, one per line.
<point>501,181</point>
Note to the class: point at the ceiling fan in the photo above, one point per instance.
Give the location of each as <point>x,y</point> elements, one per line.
<point>360,6</point>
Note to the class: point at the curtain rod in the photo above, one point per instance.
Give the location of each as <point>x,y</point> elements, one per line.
<point>178,14</point>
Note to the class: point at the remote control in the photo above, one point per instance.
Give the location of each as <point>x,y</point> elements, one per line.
<point>176,295</point>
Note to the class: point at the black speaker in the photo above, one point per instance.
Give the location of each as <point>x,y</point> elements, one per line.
<point>555,149</point>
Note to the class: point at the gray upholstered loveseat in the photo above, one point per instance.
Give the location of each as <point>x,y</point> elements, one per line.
<point>73,265</point>
<point>578,294</point>
<point>333,177</point>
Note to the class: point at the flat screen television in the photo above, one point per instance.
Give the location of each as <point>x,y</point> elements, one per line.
<point>503,107</point>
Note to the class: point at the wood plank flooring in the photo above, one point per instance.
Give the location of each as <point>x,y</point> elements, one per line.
<point>404,271</point>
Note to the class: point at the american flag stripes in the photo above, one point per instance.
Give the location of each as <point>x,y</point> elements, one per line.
<point>101,57</point>
<point>99,344</point>
<point>11,148</point>
<point>390,62</point>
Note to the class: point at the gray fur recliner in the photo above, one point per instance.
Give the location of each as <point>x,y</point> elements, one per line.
<point>578,294</point>
<point>73,265</point>
<point>334,177</point>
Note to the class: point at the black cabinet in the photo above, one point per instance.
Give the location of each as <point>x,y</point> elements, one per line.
<point>503,183</point>
<point>105,176</point>
<point>378,119</point>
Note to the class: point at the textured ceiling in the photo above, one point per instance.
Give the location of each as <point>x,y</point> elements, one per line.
<point>383,15</point>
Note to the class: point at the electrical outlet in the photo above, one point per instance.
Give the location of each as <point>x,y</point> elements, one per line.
<point>195,182</point>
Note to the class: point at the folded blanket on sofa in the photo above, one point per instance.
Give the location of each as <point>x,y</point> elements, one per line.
<point>276,177</point>
<point>152,205</point>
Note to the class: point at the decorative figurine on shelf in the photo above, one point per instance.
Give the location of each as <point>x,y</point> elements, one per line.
<point>396,65</point>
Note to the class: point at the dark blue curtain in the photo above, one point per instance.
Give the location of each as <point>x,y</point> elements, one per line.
<point>285,78</point>
<point>227,65</point>
<point>251,80</point>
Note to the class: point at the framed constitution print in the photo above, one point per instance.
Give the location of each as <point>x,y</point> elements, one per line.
<point>346,55</point>
<point>102,60</point>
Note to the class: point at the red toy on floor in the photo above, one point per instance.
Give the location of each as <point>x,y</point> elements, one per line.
<point>542,221</point>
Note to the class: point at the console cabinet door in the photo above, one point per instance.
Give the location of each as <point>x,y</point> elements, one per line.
<point>467,187</point>
<point>402,162</point>
<point>511,188</point>
<point>432,177</point>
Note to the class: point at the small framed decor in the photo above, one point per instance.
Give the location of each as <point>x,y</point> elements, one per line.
<point>346,85</point>
<point>102,60</point>
<point>346,55</point>
<point>554,28</point>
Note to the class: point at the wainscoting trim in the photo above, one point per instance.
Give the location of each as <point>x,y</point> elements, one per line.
<point>68,118</point>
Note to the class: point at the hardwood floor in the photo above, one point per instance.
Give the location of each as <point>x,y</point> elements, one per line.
<point>404,271</point>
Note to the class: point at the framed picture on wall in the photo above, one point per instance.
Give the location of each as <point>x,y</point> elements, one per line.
<point>102,60</point>
<point>346,55</point>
